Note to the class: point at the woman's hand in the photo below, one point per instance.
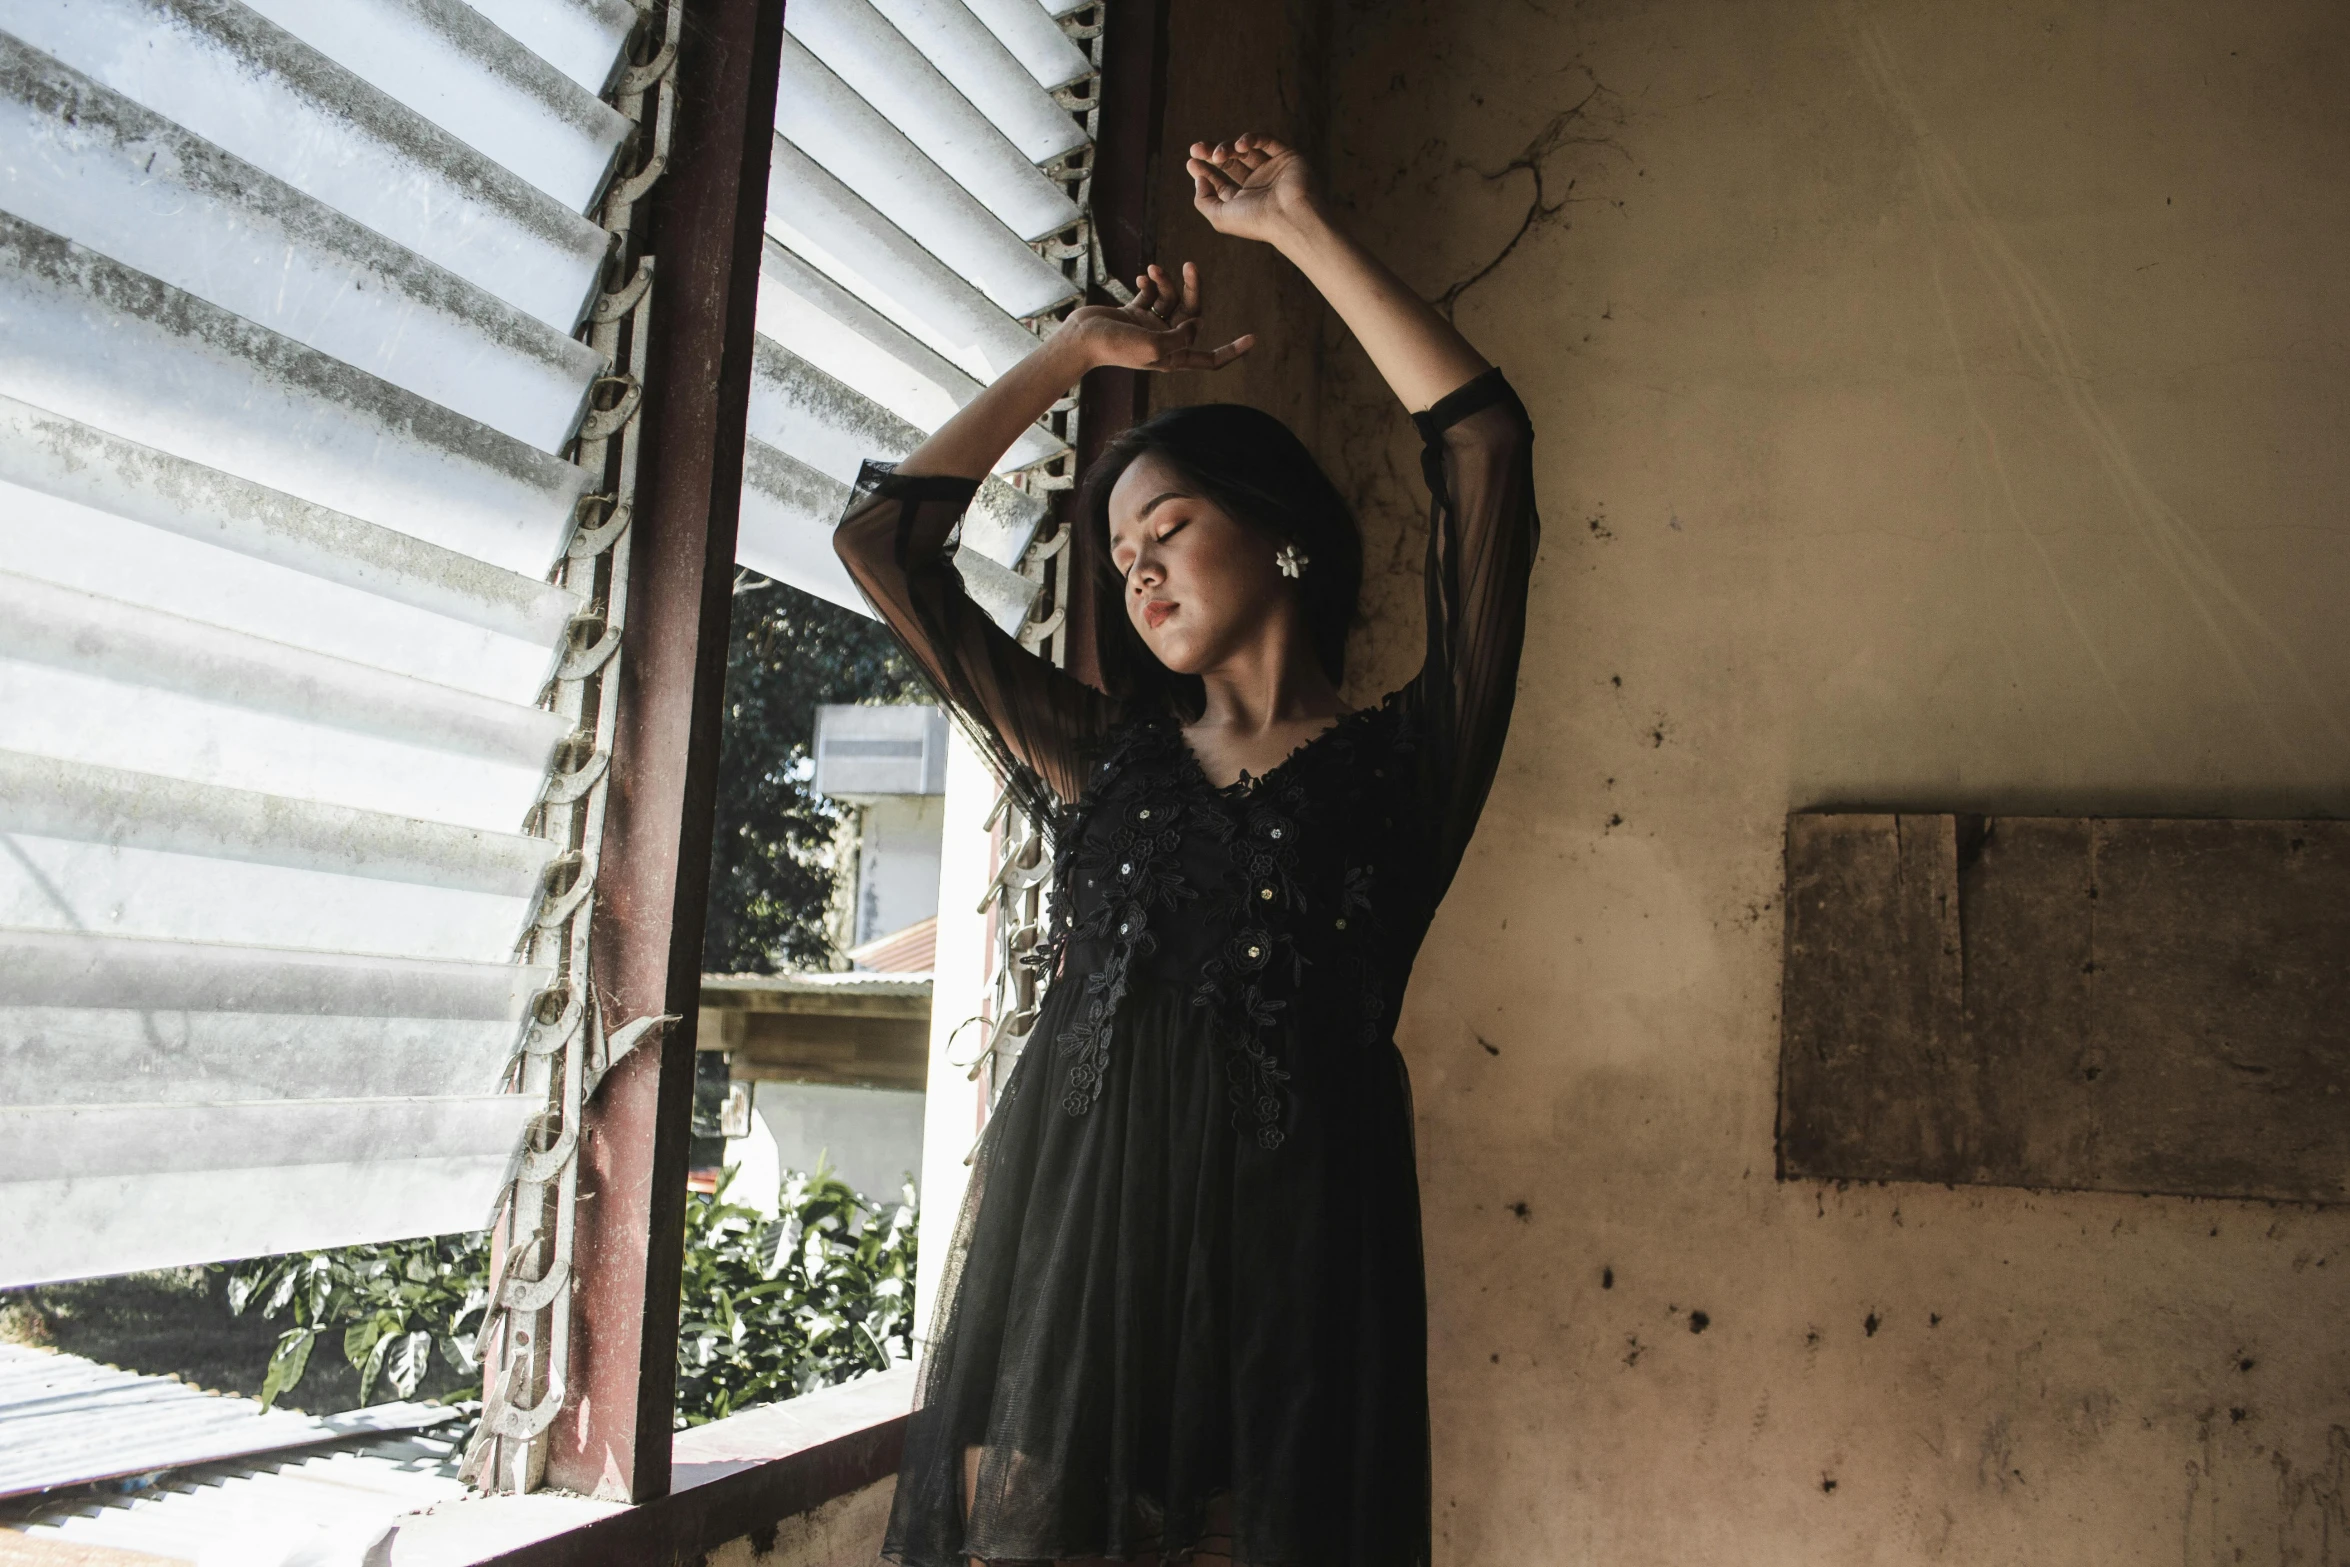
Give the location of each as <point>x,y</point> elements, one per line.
<point>1158,331</point>
<point>1253,187</point>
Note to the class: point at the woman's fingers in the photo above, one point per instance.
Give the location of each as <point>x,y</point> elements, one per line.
<point>1166,300</point>
<point>1190,304</point>
<point>1232,350</point>
<point>1206,359</point>
<point>1208,178</point>
<point>1269,146</point>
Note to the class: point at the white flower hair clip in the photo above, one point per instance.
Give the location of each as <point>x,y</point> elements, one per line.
<point>1291,560</point>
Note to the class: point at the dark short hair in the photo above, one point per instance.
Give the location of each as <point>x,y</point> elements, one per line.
<point>1255,468</point>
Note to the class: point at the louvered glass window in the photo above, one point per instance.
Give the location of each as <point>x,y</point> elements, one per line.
<point>292,381</point>
<point>925,220</point>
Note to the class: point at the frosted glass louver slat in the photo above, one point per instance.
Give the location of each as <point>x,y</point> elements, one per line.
<point>124,1223</point>
<point>88,678</point>
<point>108,482</point>
<point>832,228</point>
<point>163,1185</point>
<point>99,342</point>
<point>1034,39</point>
<point>106,849</point>
<point>988,74</point>
<point>881,66</point>
<point>53,1055</point>
<point>195,1022</point>
<point>59,541</point>
<point>64,713</point>
<point>117,1139</point>
<point>97,169</point>
<point>257,92</point>
<point>788,514</point>
<point>114,807</point>
<point>107,638</point>
<point>801,411</point>
<point>850,139</point>
<point>847,339</point>
<point>82,969</point>
<point>447,62</point>
<point>580,38</point>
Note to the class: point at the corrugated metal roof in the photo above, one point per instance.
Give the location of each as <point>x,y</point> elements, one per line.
<point>902,952</point>
<point>69,1421</point>
<point>343,1505</point>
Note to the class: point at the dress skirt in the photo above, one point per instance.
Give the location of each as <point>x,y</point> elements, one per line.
<point>1145,1309</point>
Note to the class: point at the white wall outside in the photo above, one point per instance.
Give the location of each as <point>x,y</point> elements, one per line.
<point>897,863</point>
<point>959,982</point>
<point>871,1136</point>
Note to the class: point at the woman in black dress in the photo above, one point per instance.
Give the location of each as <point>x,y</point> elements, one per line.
<point>1183,1316</point>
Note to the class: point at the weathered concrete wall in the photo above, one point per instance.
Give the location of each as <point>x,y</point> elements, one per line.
<point>844,1532</point>
<point>1940,407</point>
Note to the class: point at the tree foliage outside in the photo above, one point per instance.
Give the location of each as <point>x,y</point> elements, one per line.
<point>770,884</point>
<point>768,1309</point>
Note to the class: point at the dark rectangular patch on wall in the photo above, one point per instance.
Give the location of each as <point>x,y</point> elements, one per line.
<point>2094,1003</point>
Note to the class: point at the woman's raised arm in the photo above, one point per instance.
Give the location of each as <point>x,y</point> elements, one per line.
<point>1034,722</point>
<point>1476,455</point>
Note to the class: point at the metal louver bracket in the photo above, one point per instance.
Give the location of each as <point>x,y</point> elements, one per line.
<point>290,393</point>
<point>850,139</point>
<point>240,82</point>
<point>832,329</point>
<point>878,62</point>
<point>967,54</point>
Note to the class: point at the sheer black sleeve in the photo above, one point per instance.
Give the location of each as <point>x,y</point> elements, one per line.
<point>1035,724</point>
<point>1482,535</point>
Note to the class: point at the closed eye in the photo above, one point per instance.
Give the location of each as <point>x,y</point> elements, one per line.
<point>1127,570</point>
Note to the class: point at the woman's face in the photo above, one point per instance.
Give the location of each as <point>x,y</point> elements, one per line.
<point>1199,584</point>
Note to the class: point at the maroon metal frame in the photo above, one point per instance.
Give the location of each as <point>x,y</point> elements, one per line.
<point>705,226</point>
<point>703,230</point>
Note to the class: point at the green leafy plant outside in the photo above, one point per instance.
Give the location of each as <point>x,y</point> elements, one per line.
<point>392,1305</point>
<point>769,1309</point>
<point>775,1308</point>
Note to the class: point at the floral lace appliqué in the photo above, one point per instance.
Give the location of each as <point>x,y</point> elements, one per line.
<point>1133,870</point>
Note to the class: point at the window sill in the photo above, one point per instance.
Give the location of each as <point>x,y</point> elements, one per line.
<point>731,1478</point>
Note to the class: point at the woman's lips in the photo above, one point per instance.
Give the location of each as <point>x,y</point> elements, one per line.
<point>1156,612</point>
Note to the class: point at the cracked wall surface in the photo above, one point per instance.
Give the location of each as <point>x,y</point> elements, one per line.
<point>1938,408</point>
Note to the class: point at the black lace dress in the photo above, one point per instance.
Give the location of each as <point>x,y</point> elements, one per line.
<point>1188,1264</point>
